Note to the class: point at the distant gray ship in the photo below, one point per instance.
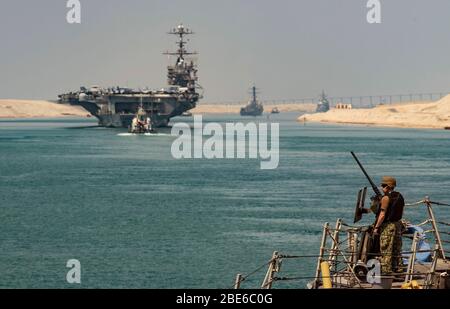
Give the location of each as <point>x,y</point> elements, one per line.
<point>253,108</point>
<point>323,105</point>
<point>116,107</point>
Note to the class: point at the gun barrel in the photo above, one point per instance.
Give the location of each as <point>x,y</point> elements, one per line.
<point>374,187</point>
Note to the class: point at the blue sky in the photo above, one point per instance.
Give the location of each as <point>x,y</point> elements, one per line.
<point>289,49</point>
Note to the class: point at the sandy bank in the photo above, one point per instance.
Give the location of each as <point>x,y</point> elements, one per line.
<point>10,108</point>
<point>410,115</point>
<point>38,109</point>
<point>234,109</point>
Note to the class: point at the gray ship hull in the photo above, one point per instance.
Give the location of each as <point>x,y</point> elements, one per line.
<point>253,113</point>
<point>117,111</point>
<point>253,108</point>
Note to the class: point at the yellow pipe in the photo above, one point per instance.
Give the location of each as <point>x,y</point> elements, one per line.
<point>325,270</point>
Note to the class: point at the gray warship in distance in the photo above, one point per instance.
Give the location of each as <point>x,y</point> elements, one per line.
<point>253,108</point>
<point>323,105</point>
<point>116,107</point>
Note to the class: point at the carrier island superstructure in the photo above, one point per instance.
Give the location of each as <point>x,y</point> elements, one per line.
<point>117,106</point>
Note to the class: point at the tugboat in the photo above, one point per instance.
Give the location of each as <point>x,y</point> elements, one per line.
<point>253,108</point>
<point>323,105</point>
<point>141,123</point>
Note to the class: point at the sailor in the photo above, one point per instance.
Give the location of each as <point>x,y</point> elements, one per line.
<point>389,226</point>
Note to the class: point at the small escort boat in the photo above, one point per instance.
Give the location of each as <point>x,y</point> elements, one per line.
<point>141,123</point>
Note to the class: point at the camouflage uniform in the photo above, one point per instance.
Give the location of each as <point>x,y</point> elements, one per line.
<point>391,246</point>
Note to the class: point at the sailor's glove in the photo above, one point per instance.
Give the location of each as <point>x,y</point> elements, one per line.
<point>374,204</point>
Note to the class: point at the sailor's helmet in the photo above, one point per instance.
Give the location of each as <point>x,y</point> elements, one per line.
<point>389,180</point>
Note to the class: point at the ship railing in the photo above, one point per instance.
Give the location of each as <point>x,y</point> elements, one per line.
<point>435,224</point>
<point>340,248</point>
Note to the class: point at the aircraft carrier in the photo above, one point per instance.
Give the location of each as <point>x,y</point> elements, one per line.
<point>117,106</point>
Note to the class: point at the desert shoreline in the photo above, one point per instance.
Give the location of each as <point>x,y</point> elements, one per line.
<point>419,115</point>
<point>14,109</point>
<point>31,109</point>
<point>415,115</point>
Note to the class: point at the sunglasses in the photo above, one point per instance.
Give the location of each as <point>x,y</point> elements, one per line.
<point>384,185</point>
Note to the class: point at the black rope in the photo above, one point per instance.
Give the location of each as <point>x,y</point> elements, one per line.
<point>444,223</point>
<point>283,256</point>
<point>342,275</point>
<point>437,203</point>
<point>297,256</point>
<point>402,254</point>
<point>297,278</point>
<point>243,278</point>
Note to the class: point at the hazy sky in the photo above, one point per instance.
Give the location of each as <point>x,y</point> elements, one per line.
<point>289,49</point>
